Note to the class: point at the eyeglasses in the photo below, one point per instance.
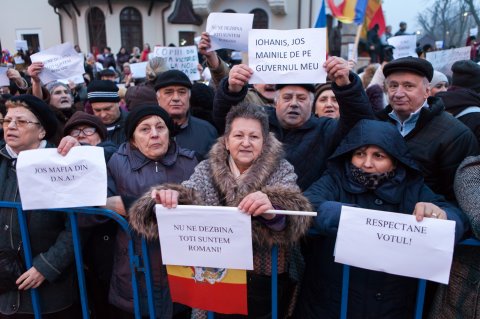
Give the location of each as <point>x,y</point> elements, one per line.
<point>18,123</point>
<point>87,131</point>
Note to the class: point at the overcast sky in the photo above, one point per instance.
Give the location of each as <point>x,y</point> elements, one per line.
<point>404,10</point>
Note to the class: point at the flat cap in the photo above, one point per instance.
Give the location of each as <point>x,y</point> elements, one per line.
<point>409,64</point>
<point>306,86</point>
<point>172,77</point>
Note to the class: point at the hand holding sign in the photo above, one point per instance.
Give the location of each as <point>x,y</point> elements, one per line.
<point>428,210</point>
<point>338,70</point>
<point>238,77</point>
<point>167,197</point>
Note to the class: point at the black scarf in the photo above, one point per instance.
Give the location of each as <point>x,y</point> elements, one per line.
<point>369,180</point>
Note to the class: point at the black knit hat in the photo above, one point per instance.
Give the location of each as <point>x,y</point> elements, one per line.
<point>308,87</point>
<point>466,74</point>
<point>42,112</point>
<point>172,77</point>
<point>102,91</point>
<point>82,118</point>
<point>138,113</point>
<point>409,64</point>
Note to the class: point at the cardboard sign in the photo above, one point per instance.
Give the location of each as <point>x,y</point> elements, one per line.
<point>229,30</point>
<point>287,56</point>
<point>184,59</point>
<point>395,243</point>
<point>47,179</point>
<point>205,236</point>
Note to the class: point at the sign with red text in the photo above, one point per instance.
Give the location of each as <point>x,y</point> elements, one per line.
<point>47,179</point>
<point>205,236</point>
<point>395,243</point>
<point>287,56</point>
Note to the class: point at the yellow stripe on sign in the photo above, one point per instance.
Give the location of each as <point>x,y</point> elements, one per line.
<point>233,276</point>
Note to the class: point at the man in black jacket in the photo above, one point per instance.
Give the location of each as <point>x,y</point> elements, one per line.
<point>308,141</point>
<point>437,141</point>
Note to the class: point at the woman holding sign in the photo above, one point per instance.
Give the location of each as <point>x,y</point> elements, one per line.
<point>28,124</point>
<point>245,169</point>
<point>370,169</point>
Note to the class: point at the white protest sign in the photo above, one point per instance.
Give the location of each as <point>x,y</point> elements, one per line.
<point>405,45</point>
<point>439,44</point>
<point>47,179</point>
<point>184,59</point>
<point>4,81</point>
<point>229,30</point>
<point>395,243</point>
<point>287,56</point>
<point>21,45</point>
<point>77,79</point>
<point>18,60</point>
<point>473,31</point>
<point>205,236</point>
<point>443,60</point>
<point>351,54</point>
<point>139,70</point>
<point>59,62</point>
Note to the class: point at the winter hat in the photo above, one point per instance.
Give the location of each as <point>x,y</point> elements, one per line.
<point>52,85</point>
<point>142,111</point>
<point>321,88</point>
<point>308,87</point>
<point>437,78</point>
<point>409,64</point>
<point>172,77</point>
<point>82,118</point>
<point>466,74</point>
<point>102,91</point>
<point>41,110</point>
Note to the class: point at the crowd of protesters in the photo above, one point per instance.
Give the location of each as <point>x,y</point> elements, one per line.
<point>395,136</point>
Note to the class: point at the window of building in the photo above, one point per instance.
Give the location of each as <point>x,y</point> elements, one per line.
<point>260,19</point>
<point>131,28</point>
<point>96,30</point>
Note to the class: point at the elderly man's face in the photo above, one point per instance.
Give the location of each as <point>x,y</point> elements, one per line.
<point>108,112</point>
<point>406,92</point>
<point>175,99</point>
<point>61,98</point>
<point>293,106</point>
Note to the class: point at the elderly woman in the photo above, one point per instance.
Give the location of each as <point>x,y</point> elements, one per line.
<point>370,169</point>
<point>150,157</point>
<point>439,83</point>
<point>325,103</point>
<point>459,299</point>
<point>245,169</point>
<point>29,122</point>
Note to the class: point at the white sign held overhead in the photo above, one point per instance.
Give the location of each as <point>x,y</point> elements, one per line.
<point>395,243</point>
<point>47,179</point>
<point>139,70</point>
<point>21,45</point>
<point>59,62</point>
<point>205,236</point>
<point>184,59</point>
<point>405,45</point>
<point>287,56</point>
<point>229,30</point>
<point>443,60</point>
<point>4,81</point>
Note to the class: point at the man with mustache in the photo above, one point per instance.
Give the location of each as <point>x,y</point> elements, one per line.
<point>308,141</point>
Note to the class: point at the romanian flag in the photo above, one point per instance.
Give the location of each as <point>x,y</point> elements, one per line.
<point>374,15</point>
<point>349,11</point>
<point>214,289</point>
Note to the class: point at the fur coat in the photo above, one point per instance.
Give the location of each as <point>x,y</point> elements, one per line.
<point>213,184</point>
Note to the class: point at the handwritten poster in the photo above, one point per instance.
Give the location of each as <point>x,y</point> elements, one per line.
<point>184,59</point>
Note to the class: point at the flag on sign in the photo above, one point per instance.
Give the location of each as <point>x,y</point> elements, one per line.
<point>214,289</point>
<point>349,11</point>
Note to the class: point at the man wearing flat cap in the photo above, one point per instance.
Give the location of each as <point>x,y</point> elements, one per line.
<point>104,98</point>
<point>437,140</point>
<point>308,141</point>
<point>173,89</point>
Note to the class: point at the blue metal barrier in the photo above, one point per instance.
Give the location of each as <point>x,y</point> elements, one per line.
<point>141,263</point>
<point>137,263</point>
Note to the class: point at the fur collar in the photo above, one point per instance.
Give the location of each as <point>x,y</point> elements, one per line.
<point>232,190</point>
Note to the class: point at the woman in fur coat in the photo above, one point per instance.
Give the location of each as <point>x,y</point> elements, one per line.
<point>245,169</point>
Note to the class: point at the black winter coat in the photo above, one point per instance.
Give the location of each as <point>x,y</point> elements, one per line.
<point>439,143</point>
<point>371,294</point>
<point>308,147</point>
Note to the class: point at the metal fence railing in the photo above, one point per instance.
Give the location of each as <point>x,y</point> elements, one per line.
<point>140,264</point>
